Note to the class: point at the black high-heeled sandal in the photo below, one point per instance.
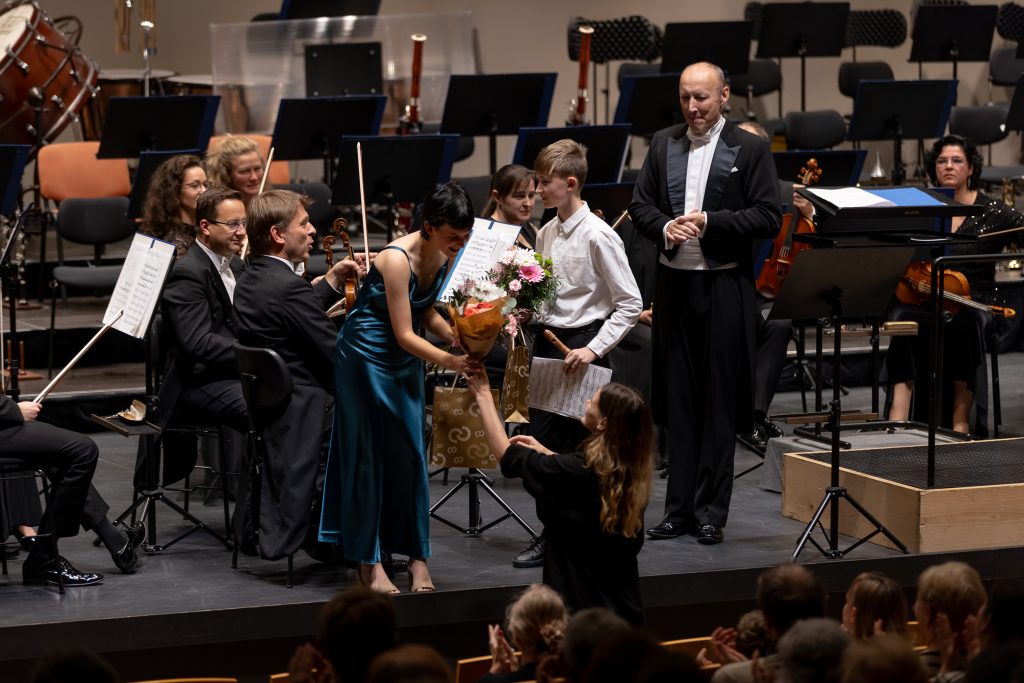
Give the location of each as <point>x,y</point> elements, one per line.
<point>27,542</point>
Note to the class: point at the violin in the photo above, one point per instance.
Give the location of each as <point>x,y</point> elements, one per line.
<point>915,287</point>
<point>351,284</point>
<point>784,251</point>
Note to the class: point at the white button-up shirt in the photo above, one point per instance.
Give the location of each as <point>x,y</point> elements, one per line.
<point>223,265</point>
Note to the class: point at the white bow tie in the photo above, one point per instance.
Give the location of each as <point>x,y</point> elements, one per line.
<point>699,140</point>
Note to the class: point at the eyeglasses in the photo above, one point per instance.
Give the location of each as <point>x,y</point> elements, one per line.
<point>197,185</point>
<point>231,225</point>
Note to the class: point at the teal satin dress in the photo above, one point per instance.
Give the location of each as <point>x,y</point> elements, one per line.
<point>375,488</point>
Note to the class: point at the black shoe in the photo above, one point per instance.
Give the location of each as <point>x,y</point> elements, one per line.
<point>710,534</point>
<point>771,430</point>
<point>127,557</point>
<point>533,556</point>
<point>27,542</point>
<point>667,530</point>
<point>49,572</point>
<point>757,438</point>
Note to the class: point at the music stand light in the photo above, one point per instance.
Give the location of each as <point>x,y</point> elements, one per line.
<point>157,123</point>
<point>723,43</point>
<point>649,103</point>
<point>606,148</point>
<point>497,104</point>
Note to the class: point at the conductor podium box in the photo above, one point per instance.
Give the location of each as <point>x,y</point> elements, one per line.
<point>977,501</point>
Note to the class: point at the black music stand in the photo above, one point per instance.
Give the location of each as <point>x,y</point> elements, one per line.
<point>12,165</point>
<point>802,29</point>
<point>148,163</point>
<point>837,284</point>
<point>344,69</point>
<point>895,110</point>
<point>426,161</point>
<point>497,104</point>
<point>952,33</point>
<point>606,148</point>
<point>724,43</point>
<point>612,199</point>
<point>157,123</point>
<point>649,103</point>
<point>839,167</point>
<point>311,128</point>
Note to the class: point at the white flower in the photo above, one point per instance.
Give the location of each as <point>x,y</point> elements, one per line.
<point>486,291</point>
<point>525,257</point>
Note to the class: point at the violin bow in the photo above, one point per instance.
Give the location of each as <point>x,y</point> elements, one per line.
<point>362,203</point>
<point>263,184</point>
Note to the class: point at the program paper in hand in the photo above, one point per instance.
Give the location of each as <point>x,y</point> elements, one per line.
<point>556,392</point>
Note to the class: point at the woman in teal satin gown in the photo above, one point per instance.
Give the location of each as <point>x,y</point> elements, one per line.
<point>375,491</point>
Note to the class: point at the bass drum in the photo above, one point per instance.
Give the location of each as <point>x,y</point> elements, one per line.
<point>44,80</point>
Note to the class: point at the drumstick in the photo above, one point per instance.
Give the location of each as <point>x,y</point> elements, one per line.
<point>556,342</point>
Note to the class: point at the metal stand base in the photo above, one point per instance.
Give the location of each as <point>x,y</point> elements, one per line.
<point>833,494</point>
<point>144,499</point>
<point>475,480</point>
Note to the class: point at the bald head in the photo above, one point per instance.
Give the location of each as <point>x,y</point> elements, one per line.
<point>702,95</point>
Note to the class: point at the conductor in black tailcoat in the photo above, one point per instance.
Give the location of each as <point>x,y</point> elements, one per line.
<point>278,309</point>
<point>706,190</point>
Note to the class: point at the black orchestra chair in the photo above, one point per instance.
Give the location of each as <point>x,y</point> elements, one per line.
<point>13,469</point>
<point>815,129</point>
<point>852,73</point>
<point>983,125</point>
<point>763,77</point>
<point>266,386</point>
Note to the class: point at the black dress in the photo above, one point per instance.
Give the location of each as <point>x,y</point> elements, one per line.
<point>588,567</point>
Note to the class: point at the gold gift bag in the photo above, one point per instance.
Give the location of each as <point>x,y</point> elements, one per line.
<point>458,437</point>
<point>515,394</point>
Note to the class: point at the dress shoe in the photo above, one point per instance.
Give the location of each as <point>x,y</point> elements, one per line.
<point>533,556</point>
<point>48,572</point>
<point>757,438</point>
<point>709,534</point>
<point>127,557</point>
<point>667,530</point>
<point>771,430</point>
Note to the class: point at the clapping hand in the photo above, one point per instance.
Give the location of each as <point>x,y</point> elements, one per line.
<point>503,657</point>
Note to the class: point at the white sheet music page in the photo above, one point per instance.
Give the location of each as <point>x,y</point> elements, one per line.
<point>850,197</point>
<point>139,285</point>
<point>556,392</point>
<point>490,239</point>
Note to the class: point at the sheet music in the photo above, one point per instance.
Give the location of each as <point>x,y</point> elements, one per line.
<point>850,197</point>
<point>490,239</point>
<point>556,392</point>
<point>139,285</point>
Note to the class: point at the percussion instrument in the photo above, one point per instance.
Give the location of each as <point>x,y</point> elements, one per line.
<point>118,83</point>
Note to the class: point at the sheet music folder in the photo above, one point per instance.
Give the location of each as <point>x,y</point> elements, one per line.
<point>896,209</point>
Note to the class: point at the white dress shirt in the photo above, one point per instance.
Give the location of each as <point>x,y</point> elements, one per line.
<point>594,279</point>
<point>223,265</point>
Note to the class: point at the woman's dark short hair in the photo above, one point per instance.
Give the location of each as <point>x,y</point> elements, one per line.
<point>447,204</point>
<point>970,151</point>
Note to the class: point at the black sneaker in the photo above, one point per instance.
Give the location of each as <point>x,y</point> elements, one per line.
<point>533,556</point>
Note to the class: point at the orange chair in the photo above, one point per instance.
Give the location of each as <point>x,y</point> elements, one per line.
<point>279,173</point>
<point>71,170</point>
<point>201,679</point>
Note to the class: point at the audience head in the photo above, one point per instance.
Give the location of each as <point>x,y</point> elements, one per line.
<point>669,667</point>
<point>409,664</point>
<point>886,658</point>
<point>75,666</point>
<point>755,128</point>
<point>447,216</point>
<point>235,162</point>
<point>954,161</point>
<point>513,190</point>
<point>874,599</point>
<point>587,632</point>
<point>537,619</point>
<point>811,651</point>
<point>702,96</point>
<point>171,198</point>
<point>278,225</point>
<point>621,453</point>
<point>751,633</point>
<point>220,221</point>
<point>561,170</point>
<point>788,593</point>
<point>950,588</point>
<point>356,625</point>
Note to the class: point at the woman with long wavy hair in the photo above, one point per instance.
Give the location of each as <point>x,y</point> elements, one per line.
<point>591,502</point>
<point>169,212</point>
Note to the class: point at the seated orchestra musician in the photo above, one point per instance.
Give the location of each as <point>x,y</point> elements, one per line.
<point>236,163</point>
<point>169,212</point>
<point>953,162</point>
<point>276,308</point>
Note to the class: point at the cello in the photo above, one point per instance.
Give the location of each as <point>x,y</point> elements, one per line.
<point>784,251</point>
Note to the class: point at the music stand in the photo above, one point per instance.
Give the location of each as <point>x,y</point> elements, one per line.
<point>952,33</point>
<point>612,199</point>
<point>12,166</point>
<point>724,43</point>
<point>426,161</point>
<point>148,163</point>
<point>839,168</point>
<point>157,123</point>
<point>649,103</point>
<point>497,104</point>
<point>894,110</point>
<point>344,69</point>
<point>855,282</point>
<point>311,128</point>
<point>606,148</point>
<point>802,29</point>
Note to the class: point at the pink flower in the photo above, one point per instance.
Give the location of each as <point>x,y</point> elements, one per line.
<point>511,328</point>
<point>531,273</point>
<point>514,286</point>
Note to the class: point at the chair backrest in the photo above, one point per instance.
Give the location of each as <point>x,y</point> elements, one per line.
<point>470,670</point>
<point>95,221</point>
<point>981,124</point>
<point>637,69</point>
<point>1004,68</point>
<point>852,73</point>
<point>815,129</point>
<point>321,212</point>
<point>279,172</point>
<point>71,169</point>
<point>266,380</point>
<point>763,76</point>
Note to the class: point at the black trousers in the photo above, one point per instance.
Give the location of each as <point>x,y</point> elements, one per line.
<point>770,357</point>
<point>700,348</point>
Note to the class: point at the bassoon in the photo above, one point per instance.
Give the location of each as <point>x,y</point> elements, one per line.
<point>410,123</point>
<point>578,105</point>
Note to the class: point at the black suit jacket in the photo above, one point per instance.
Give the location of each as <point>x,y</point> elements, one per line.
<point>277,309</point>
